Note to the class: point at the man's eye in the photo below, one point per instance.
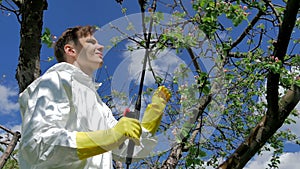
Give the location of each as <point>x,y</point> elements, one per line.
<point>91,41</point>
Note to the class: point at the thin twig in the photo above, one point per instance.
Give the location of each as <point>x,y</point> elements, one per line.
<point>246,31</point>
<point>268,2</point>
<point>259,41</point>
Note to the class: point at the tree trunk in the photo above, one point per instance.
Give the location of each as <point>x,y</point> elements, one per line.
<point>31,29</point>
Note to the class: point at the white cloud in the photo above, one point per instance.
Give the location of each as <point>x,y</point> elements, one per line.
<point>7,105</point>
<point>16,128</point>
<point>166,61</point>
<point>259,161</point>
<point>288,160</point>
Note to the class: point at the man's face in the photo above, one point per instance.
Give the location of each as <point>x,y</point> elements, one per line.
<point>90,55</point>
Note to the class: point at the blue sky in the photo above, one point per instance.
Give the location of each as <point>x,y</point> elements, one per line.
<point>68,13</point>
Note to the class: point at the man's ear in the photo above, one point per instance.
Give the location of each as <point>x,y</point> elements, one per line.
<point>70,50</point>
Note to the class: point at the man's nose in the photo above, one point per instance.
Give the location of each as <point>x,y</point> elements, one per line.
<point>100,47</point>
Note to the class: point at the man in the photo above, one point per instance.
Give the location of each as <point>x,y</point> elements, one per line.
<point>65,124</point>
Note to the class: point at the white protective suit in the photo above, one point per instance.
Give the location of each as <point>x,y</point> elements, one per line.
<point>54,107</point>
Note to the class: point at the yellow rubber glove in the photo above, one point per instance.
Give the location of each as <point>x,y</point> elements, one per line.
<point>154,111</point>
<point>93,143</point>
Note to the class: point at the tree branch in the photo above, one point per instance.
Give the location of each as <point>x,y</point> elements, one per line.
<point>262,132</point>
<point>176,151</point>
<point>193,58</point>
<point>6,129</point>
<point>10,148</point>
<point>237,55</point>
<point>246,31</point>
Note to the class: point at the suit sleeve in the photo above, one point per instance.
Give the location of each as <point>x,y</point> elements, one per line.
<point>46,115</point>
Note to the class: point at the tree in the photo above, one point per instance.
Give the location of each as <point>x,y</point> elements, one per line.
<point>30,15</point>
<point>248,60</point>
<point>256,45</point>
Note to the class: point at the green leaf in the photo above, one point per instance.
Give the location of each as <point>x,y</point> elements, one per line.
<point>202,153</point>
<point>46,38</point>
<point>124,10</point>
<point>158,80</point>
<point>96,27</point>
<point>130,26</point>
<point>297,82</point>
<point>159,16</point>
<point>50,58</point>
<point>206,89</point>
<point>261,26</point>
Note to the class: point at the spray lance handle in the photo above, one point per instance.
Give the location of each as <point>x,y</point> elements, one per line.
<point>130,148</point>
<point>130,114</point>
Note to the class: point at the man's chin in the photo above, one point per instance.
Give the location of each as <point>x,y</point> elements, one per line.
<point>100,65</point>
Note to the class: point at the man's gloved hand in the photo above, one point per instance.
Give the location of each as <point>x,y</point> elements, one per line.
<point>101,141</point>
<point>154,111</point>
